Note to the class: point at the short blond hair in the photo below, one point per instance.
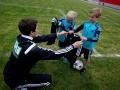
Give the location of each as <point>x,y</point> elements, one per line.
<point>71,14</point>
<point>96,12</point>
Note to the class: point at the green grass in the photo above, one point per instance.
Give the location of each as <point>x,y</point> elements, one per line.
<point>102,73</point>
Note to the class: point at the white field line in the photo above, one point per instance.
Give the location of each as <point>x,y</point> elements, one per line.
<point>52,9</point>
<point>97,54</point>
<point>107,55</point>
<point>61,12</point>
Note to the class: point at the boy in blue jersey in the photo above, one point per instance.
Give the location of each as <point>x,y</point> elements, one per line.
<point>66,23</point>
<point>90,31</point>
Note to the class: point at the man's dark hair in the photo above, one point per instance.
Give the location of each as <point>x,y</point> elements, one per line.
<point>26,25</point>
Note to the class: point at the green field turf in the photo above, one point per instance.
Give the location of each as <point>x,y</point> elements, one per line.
<point>102,73</point>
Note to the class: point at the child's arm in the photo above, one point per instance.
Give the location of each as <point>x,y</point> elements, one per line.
<point>44,38</point>
<point>49,37</point>
<point>79,28</point>
<point>96,38</point>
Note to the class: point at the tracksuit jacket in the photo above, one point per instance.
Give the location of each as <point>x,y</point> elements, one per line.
<point>26,53</point>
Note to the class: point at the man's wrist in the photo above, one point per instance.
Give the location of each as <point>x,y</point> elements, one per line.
<point>72,46</point>
<point>57,34</point>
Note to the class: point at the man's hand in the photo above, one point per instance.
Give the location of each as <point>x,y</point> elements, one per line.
<point>62,33</point>
<point>83,38</point>
<point>71,32</point>
<point>77,44</point>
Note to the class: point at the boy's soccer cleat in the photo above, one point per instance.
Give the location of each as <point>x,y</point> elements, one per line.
<point>54,20</point>
<point>83,70</point>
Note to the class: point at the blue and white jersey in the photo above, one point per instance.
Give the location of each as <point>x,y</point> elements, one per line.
<point>65,25</point>
<point>91,31</point>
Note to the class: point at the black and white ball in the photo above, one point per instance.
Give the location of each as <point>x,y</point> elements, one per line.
<point>78,65</point>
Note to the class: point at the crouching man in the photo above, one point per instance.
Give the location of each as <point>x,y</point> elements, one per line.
<point>25,55</point>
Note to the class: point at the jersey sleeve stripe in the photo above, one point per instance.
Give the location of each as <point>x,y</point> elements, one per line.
<point>29,48</point>
<point>69,48</point>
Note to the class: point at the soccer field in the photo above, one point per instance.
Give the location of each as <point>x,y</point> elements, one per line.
<point>103,72</point>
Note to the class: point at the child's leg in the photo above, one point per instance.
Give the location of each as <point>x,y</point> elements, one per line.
<point>53,30</point>
<point>87,54</point>
<point>85,62</point>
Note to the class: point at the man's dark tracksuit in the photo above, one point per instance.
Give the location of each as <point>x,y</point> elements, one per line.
<point>24,56</point>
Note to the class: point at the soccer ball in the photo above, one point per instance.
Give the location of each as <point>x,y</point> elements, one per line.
<point>78,65</point>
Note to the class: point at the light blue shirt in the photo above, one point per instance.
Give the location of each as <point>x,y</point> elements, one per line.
<point>92,32</point>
